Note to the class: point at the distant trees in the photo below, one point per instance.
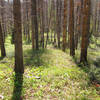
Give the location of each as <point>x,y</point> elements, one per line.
<point>51,21</point>
<point>19,67</point>
<point>26,20</point>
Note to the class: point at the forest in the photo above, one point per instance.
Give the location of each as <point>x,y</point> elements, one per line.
<point>49,49</point>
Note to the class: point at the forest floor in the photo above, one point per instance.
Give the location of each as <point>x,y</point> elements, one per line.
<point>50,74</point>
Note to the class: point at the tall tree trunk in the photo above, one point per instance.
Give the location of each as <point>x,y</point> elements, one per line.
<point>71,28</point>
<point>85,30</point>
<point>77,26</point>
<point>27,21</point>
<point>2,17</point>
<point>19,67</point>
<point>65,25</point>
<point>42,15</point>
<point>34,23</point>
<point>47,23</point>
<point>3,52</point>
<point>58,20</point>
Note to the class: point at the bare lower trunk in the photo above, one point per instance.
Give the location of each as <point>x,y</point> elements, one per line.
<point>19,67</point>
<point>85,30</point>
<point>71,28</point>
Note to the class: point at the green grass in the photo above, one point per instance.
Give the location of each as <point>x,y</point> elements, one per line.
<point>50,74</point>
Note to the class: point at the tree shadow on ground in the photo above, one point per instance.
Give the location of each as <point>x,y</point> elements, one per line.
<point>18,84</point>
<point>36,58</point>
<point>97,62</point>
<point>1,58</point>
<point>92,68</point>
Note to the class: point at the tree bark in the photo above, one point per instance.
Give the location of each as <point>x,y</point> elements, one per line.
<point>71,28</point>
<point>3,52</point>
<point>19,67</point>
<point>65,25</point>
<point>85,31</point>
<point>34,24</point>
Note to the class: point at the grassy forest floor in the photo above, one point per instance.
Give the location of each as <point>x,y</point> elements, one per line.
<point>50,74</point>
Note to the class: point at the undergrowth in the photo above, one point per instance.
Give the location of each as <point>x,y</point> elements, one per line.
<point>50,74</point>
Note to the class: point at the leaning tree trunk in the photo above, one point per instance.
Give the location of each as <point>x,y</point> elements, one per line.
<point>3,52</point>
<point>71,28</point>
<point>19,67</point>
<point>85,30</point>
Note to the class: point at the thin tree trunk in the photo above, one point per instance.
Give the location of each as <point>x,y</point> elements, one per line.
<point>3,20</point>
<point>3,52</point>
<point>32,24</point>
<point>42,15</point>
<point>58,19</point>
<point>65,25</point>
